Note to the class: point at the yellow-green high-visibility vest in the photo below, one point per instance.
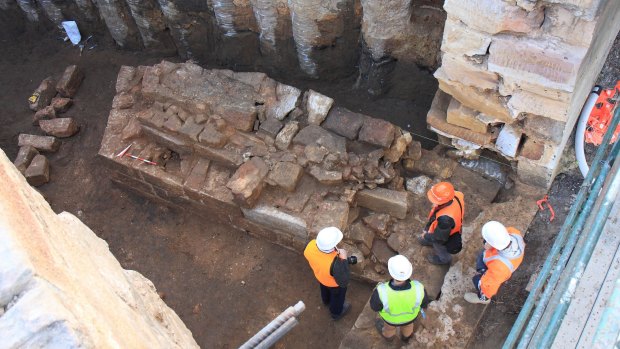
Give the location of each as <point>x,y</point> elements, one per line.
<point>400,307</point>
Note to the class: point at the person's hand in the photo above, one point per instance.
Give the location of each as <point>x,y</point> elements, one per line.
<point>424,232</point>
<point>342,253</point>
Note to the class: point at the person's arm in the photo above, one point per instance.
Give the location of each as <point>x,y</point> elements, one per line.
<point>426,300</point>
<point>375,301</point>
<point>493,278</point>
<point>340,271</point>
<point>445,224</point>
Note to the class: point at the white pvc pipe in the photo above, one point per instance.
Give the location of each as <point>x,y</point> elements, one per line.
<point>274,325</point>
<point>581,130</point>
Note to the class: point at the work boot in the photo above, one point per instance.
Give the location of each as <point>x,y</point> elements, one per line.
<point>474,299</point>
<point>345,309</point>
<point>379,326</point>
<point>434,259</point>
<point>405,339</point>
<point>424,242</point>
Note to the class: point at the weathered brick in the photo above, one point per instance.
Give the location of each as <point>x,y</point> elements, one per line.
<point>331,214</point>
<point>360,233</point>
<point>44,114</point>
<point>275,219</point>
<point>549,64</point>
<point>394,203</point>
<point>248,181</point>
<point>212,137</point>
<point>61,127</point>
<point>24,157</point>
<point>123,100</point>
<point>574,30</point>
<point>42,96</point>
<point>270,127</point>
<point>191,129</point>
<point>544,128</point>
<point>286,135</point>
<point>326,177</point>
<point>317,135</point>
<point>494,16</point>
<point>532,149</point>
<point>317,106</point>
<point>525,102</point>
<point>197,176</point>
<point>41,143</point>
<point>461,39</point>
<point>377,132</point>
<point>344,122</point>
<point>286,175</point>
<point>38,172</point>
<point>61,104</point>
<point>70,81</point>
<point>462,116</point>
<point>124,78</point>
<point>468,73</point>
<point>240,115</point>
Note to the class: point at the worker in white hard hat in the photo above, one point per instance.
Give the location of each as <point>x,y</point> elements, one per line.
<point>331,268</point>
<point>398,301</point>
<point>503,252</point>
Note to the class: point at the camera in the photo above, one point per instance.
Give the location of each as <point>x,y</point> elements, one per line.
<point>352,259</point>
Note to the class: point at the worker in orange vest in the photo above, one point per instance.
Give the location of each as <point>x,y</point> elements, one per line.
<point>445,220</point>
<point>331,268</point>
<point>503,253</point>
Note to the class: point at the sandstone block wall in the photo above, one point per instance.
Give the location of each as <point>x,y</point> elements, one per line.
<point>61,287</point>
<point>515,75</point>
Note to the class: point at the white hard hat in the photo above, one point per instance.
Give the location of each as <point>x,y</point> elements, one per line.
<point>328,238</point>
<point>400,268</point>
<point>496,234</point>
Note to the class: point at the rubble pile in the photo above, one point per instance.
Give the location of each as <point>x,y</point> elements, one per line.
<point>48,101</point>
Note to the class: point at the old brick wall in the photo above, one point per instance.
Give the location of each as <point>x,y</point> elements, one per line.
<point>515,75</point>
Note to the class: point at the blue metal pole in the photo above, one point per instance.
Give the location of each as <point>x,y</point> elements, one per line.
<point>608,329</point>
<point>517,328</point>
<point>584,254</point>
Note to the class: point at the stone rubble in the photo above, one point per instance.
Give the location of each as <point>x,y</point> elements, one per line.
<point>70,81</point>
<point>42,96</point>
<point>38,172</point>
<point>60,127</point>
<point>41,143</point>
<point>24,156</point>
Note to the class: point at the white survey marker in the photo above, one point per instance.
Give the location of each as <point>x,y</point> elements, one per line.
<point>72,31</point>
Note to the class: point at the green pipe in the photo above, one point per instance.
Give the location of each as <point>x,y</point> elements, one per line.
<point>517,328</point>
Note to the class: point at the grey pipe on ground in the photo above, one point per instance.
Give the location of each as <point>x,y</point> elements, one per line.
<point>282,321</point>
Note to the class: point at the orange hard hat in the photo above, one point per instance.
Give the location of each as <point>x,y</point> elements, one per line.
<point>441,193</point>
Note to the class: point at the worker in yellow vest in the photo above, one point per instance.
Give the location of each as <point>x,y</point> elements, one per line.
<point>503,253</point>
<point>398,301</point>
<point>331,268</point>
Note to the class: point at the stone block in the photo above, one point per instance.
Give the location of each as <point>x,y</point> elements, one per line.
<point>123,100</point>
<point>285,137</point>
<point>377,132</point>
<point>270,127</point>
<point>70,81</point>
<point>382,251</point>
<point>360,234</point>
<point>197,176</point>
<point>398,148</point>
<point>212,137</point>
<point>532,149</point>
<point>530,103</point>
<point>239,115</point>
<point>191,128</point>
<point>379,223</point>
<point>434,165</point>
<point>317,135</point>
<point>42,96</point>
<point>41,143</point>
<point>543,62</point>
<point>124,79</point>
<point>494,16</point>
<point>397,241</point>
<point>248,181</point>
<point>285,101</point>
<point>275,219</point>
<point>61,127</point>
<point>326,177</point>
<point>44,114</point>
<point>331,214</point>
<point>286,175</point>
<point>61,104</point>
<point>461,39</point>
<point>38,172</point>
<point>226,157</point>
<point>315,153</point>
<point>418,185</point>
<point>317,106</point>
<point>24,157</point>
<point>509,140</point>
<point>488,102</point>
<point>394,203</point>
<point>174,142</point>
<point>344,122</point>
<point>468,73</point>
<point>173,123</point>
<point>544,128</point>
<point>414,151</point>
<point>575,30</point>
<point>462,116</point>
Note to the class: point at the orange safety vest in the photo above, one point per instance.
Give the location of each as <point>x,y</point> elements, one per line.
<point>453,210</point>
<point>321,263</point>
<point>500,268</point>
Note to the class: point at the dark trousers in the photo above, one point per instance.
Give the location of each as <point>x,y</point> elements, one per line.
<point>334,297</point>
<point>481,268</point>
